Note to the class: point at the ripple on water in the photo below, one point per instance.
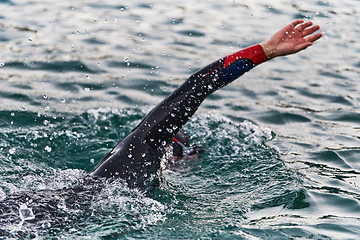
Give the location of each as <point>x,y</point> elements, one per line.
<point>276,117</point>
<point>55,66</point>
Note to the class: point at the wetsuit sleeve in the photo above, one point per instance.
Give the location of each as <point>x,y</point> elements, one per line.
<point>173,112</point>
<point>137,157</point>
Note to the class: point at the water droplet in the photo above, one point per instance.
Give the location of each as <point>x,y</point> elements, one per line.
<point>87,89</point>
<point>30,39</point>
<point>46,108</point>
<point>48,148</point>
<point>45,122</point>
<point>92,161</point>
<point>63,100</point>
<point>87,76</point>
<point>23,108</point>
<point>12,114</point>
<point>45,97</point>
<point>12,150</point>
<point>143,155</point>
<point>2,64</point>
<point>163,143</point>
<point>126,59</point>
<point>130,156</point>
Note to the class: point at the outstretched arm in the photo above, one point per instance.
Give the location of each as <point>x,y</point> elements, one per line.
<point>137,157</point>
<point>291,39</point>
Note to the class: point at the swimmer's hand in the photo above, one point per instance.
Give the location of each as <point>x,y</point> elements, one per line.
<point>291,39</point>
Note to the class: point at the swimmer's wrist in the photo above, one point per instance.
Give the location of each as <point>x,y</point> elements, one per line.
<point>269,50</point>
<point>255,53</point>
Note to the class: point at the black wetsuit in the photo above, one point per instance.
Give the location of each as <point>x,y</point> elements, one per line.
<point>137,157</point>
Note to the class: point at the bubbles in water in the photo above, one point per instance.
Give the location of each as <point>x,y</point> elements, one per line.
<point>2,64</point>
<point>63,100</point>
<point>30,39</point>
<point>87,89</point>
<point>48,148</point>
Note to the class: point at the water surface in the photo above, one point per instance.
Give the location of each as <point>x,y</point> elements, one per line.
<point>282,142</point>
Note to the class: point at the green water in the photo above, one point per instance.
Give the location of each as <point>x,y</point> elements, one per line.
<point>282,142</point>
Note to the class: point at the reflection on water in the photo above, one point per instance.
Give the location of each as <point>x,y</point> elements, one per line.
<point>281,148</point>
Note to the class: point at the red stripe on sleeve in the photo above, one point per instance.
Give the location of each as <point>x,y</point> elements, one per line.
<point>254,53</point>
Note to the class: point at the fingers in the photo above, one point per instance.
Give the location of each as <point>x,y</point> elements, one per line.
<point>306,29</point>
<point>310,30</point>
<point>303,26</point>
<point>313,38</point>
<point>295,23</point>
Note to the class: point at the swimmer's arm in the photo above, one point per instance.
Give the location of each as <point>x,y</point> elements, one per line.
<point>291,39</point>
<point>174,111</point>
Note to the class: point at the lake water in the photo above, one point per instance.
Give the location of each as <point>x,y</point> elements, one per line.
<point>282,143</point>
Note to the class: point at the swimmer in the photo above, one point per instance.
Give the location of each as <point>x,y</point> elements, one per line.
<point>137,157</point>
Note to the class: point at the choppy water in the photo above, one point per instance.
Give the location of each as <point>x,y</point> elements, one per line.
<point>282,142</point>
